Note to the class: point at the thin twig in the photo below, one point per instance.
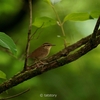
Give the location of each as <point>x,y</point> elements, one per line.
<point>16,95</point>
<point>37,30</point>
<point>63,32</point>
<point>29,35</point>
<point>39,35</point>
<point>59,23</point>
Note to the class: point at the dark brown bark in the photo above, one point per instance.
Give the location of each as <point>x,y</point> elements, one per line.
<point>65,56</point>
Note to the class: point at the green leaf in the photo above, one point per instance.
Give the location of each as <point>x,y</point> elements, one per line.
<point>44,22</point>
<point>2,75</point>
<point>95,14</point>
<point>7,42</point>
<point>77,17</point>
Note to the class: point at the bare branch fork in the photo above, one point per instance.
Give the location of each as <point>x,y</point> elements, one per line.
<point>30,35</point>
<point>59,59</point>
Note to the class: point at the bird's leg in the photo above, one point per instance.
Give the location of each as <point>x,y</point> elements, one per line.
<point>38,62</point>
<point>42,62</point>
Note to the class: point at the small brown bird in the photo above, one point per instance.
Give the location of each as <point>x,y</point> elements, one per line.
<point>41,52</point>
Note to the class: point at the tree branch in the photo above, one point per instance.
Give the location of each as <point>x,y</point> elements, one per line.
<point>96,28</point>
<point>29,35</point>
<point>61,58</point>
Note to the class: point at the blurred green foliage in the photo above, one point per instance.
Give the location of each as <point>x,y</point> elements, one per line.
<point>78,80</point>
